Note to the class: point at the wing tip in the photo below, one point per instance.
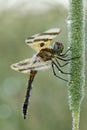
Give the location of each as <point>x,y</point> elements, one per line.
<point>27,42</point>
<point>54,30</point>
<point>18,69</point>
<point>14,67</point>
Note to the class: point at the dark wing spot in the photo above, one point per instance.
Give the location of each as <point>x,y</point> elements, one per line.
<point>42,44</point>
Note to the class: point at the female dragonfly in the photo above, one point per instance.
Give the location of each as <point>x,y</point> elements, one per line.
<point>45,58</point>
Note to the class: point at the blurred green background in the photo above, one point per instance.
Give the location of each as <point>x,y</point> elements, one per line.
<point>48,109</point>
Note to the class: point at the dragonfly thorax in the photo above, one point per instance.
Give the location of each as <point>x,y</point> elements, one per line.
<point>46,54</point>
<point>58,47</point>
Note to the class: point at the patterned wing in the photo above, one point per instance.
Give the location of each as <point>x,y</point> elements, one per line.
<point>42,40</point>
<point>35,63</point>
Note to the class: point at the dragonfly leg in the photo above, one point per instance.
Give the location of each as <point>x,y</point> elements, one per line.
<point>60,64</point>
<point>56,74</point>
<point>68,59</point>
<point>65,54</point>
<point>59,68</point>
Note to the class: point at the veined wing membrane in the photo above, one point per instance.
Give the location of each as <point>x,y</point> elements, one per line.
<point>42,40</point>
<point>31,64</point>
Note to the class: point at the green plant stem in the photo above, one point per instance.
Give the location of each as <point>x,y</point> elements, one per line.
<point>76,26</point>
<point>75,122</point>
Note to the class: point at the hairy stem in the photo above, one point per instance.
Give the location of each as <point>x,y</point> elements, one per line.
<point>76,26</point>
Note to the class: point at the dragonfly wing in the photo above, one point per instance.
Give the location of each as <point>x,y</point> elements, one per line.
<point>31,64</point>
<point>42,40</point>
<point>30,40</point>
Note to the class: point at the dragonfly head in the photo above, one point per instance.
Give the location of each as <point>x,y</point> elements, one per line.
<point>58,47</point>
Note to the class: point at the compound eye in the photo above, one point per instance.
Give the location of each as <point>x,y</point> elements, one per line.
<point>58,47</point>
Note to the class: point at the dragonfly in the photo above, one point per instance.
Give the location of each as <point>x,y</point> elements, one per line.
<point>46,56</point>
